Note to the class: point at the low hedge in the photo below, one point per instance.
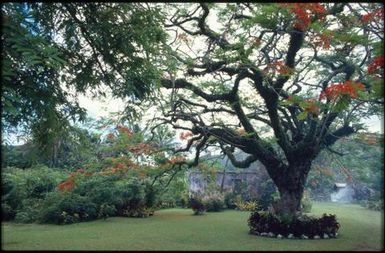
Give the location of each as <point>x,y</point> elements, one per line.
<point>267,222</point>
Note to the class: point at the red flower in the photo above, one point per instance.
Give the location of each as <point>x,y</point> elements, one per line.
<point>67,185</point>
<point>323,40</point>
<point>120,166</point>
<point>377,64</point>
<point>304,12</point>
<point>379,13</point>
<point>347,88</point>
<point>124,130</point>
<point>311,107</point>
<point>280,67</point>
<point>177,159</point>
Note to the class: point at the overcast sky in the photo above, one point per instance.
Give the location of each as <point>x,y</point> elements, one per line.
<point>97,108</point>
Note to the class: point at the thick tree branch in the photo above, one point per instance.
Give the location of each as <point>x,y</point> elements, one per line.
<point>239,164</point>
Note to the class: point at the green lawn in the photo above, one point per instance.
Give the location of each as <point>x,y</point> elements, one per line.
<point>178,229</point>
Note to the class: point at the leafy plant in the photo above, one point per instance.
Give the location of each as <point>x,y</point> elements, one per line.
<point>247,205</point>
<point>260,222</point>
<point>106,211</point>
<point>214,204</point>
<point>197,205</point>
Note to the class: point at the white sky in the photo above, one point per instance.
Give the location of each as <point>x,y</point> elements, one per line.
<point>97,108</point>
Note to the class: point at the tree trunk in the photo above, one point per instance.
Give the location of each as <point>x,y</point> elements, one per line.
<point>291,186</point>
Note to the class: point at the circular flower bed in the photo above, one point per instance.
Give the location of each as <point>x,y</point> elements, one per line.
<point>303,227</point>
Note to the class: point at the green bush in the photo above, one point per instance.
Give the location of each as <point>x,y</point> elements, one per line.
<point>230,200</point>
<point>32,195</point>
<point>106,211</point>
<point>58,207</point>
<point>214,205</point>
<point>29,185</point>
<point>377,205</point>
<point>29,210</point>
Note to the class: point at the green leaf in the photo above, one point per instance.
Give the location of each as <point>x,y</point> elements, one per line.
<point>342,104</point>
<point>302,116</point>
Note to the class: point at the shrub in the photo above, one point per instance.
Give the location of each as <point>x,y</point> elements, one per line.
<point>57,208</point>
<point>376,205</point>
<point>18,184</point>
<point>182,201</point>
<point>247,206</point>
<point>214,201</point>
<point>139,212</point>
<point>230,200</point>
<point>197,205</point>
<point>328,224</point>
<point>214,205</point>
<point>7,212</point>
<point>29,210</point>
<point>22,186</point>
<point>260,222</point>
<point>106,211</point>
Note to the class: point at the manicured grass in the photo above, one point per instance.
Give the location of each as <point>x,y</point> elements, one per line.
<point>178,229</point>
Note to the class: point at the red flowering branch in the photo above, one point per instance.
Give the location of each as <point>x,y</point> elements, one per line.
<point>279,67</point>
<point>323,40</point>
<point>304,13</point>
<point>376,65</point>
<point>311,107</point>
<point>124,130</point>
<point>347,88</point>
<point>371,16</point>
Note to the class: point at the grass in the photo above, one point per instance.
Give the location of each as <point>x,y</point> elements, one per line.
<point>178,229</point>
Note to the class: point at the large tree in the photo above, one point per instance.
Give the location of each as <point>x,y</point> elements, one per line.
<point>307,72</point>
<point>280,82</point>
